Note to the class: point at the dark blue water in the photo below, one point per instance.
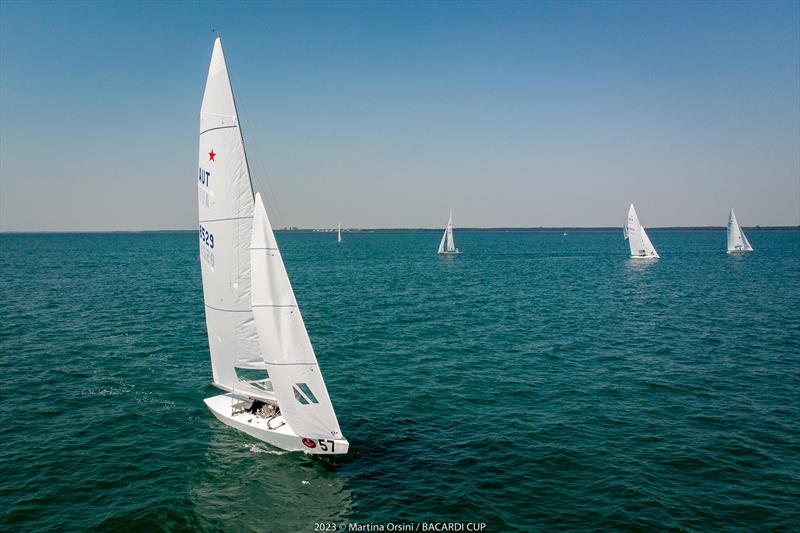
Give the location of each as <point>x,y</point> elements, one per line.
<point>537,382</point>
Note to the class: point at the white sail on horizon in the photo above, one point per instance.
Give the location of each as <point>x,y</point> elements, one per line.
<point>640,245</point>
<point>737,240</point>
<point>447,244</point>
<point>339,233</point>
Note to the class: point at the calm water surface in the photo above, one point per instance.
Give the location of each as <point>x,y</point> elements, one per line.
<point>537,382</point>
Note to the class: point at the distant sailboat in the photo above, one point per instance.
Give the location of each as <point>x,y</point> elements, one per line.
<point>339,233</point>
<point>447,246</point>
<point>641,247</point>
<point>253,321</point>
<point>737,241</point>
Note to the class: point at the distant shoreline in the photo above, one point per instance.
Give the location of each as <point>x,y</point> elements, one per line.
<point>408,230</point>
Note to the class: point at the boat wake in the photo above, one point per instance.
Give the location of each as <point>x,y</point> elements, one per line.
<point>255,448</point>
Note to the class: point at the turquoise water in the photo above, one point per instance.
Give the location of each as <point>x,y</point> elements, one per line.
<point>537,382</point>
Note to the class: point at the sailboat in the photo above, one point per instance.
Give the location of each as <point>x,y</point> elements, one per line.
<point>339,234</point>
<point>260,351</point>
<point>737,241</point>
<point>447,246</point>
<point>641,247</point>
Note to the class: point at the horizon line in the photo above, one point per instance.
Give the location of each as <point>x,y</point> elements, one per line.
<point>357,229</point>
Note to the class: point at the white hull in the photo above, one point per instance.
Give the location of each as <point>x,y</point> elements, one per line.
<point>645,257</point>
<point>450,253</point>
<point>273,431</point>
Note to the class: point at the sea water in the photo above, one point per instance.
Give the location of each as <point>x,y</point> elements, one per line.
<point>535,382</point>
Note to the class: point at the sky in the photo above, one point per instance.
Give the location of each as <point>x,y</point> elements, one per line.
<point>388,114</point>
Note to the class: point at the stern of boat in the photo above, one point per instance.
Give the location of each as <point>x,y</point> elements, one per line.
<point>232,410</point>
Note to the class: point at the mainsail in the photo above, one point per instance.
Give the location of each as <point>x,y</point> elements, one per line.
<point>737,241</point>
<point>640,244</point>
<point>339,233</point>
<point>447,245</point>
<point>225,209</point>
<point>289,356</point>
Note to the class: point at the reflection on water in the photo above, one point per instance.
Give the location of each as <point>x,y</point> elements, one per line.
<point>637,266</point>
<point>248,485</point>
<point>738,256</point>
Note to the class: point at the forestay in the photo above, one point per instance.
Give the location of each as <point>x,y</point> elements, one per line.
<point>640,244</point>
<point>225,208</point>
<point>287,350</point>
<point>737,241</point>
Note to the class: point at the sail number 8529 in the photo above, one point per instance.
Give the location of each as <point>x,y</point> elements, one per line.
<point>207,237</point>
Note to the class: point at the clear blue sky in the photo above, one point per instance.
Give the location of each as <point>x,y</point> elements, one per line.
<point>387,114</point>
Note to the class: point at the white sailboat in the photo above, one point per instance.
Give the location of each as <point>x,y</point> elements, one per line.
<point>339,233</point>
<point>447,246</point>
<point>737,241</point>
<point>253,321</point>
<point>641,247</point>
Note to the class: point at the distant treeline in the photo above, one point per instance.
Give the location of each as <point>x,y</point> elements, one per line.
<point>540,228</point>
<point>401,230</point>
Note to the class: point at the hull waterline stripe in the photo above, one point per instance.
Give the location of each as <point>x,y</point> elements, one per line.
<point>218,128</point>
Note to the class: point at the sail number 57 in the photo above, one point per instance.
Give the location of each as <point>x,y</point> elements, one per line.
<point>323,445</point>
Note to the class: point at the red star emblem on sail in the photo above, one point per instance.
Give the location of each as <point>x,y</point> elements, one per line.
<point>211,155</point>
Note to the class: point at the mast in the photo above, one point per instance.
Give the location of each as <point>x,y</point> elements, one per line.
<point>451,245</point>
<point>241,135</point>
